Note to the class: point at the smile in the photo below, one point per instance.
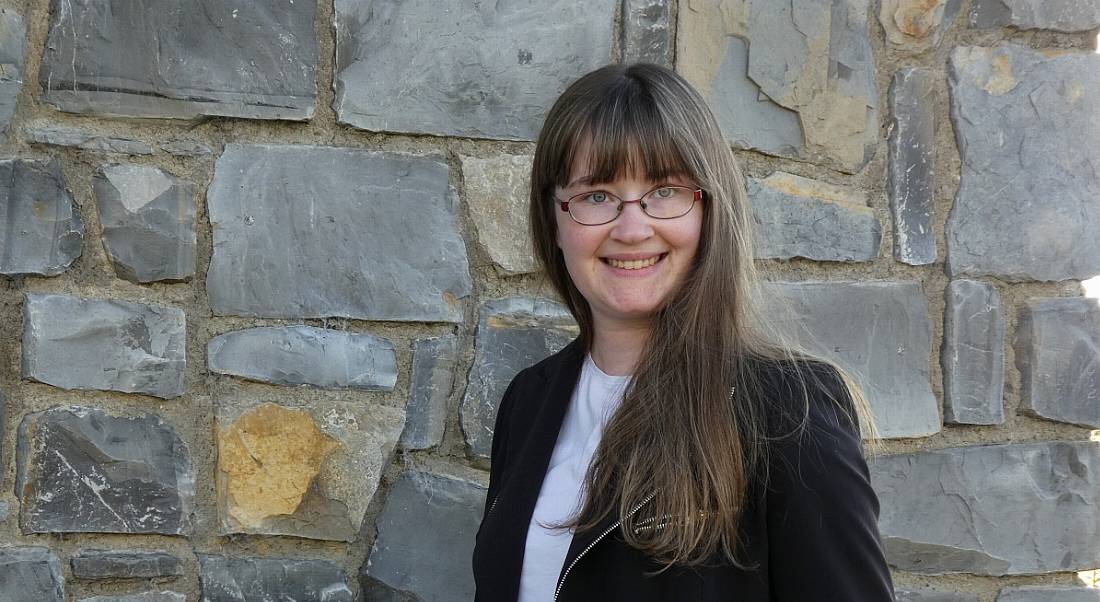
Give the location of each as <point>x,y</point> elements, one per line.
<point>634,264</point>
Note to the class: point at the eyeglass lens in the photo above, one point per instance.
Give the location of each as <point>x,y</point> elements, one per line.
<point>600,207</point>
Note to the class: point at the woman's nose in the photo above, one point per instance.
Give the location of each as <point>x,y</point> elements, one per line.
<point>632,225</point>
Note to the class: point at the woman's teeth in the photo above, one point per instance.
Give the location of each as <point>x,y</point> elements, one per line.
<point>635,264</point>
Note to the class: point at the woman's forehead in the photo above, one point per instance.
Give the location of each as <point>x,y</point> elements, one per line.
<point>622,154</point>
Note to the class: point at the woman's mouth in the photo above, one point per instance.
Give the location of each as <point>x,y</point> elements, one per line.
<point>634,264</point>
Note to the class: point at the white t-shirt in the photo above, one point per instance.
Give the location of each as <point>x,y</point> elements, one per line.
<point>594,400</point>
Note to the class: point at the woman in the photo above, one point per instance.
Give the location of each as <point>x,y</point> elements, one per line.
<point>677,450</point>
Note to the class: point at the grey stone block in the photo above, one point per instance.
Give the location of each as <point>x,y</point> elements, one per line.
<point>424,511</point>
<point>794,79</point>
<point>1058,354</point>
<point>304,355</point>
<point>233,58</point>
<point>186,148</point>
<point>912,169</point>
<point>57,135</point>
<point>82,470</point>
<point>13,33</point>
<point>1058,15</point>
<point>229,579</point>
<point>916,25</point>
<point>104,344</point>
<point>148,220</point>
<point>497,191</point>
<point>928,595</point>
<point>122,564</point>
<point>991,510</point>
<point>43,232</point>
<point>512,334</point>
<point>880,332</point>
<point>1048,594</point>
<point>151,596</point>
<point>308,231</point>
<point>472,68</point>
<point>1026,204</point>
<point>973,354</point>
<point>433,375</point>
<point>307,472</point>
<point>799,217</point>
<point>645,32</point>
<point>30,574</point>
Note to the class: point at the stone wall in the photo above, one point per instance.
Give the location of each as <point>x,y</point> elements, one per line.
<point>265,276</point>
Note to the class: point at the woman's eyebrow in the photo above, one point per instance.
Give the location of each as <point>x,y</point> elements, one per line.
<point>580,180</point>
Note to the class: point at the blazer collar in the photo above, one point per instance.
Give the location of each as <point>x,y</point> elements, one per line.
<point>520,493</point>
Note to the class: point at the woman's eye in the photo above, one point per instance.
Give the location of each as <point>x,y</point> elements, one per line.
<point>597,198</point>
<point>664,193</point>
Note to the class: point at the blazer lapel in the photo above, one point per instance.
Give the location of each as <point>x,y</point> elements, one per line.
<point>520,492</point>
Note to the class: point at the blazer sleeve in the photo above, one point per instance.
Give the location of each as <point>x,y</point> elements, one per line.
<point>822,514</point>
<point>498,457</point>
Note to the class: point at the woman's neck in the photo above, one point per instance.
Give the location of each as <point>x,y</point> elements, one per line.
<point>617,347</point>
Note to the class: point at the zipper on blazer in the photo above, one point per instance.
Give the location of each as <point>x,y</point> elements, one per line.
<point>606,532</point>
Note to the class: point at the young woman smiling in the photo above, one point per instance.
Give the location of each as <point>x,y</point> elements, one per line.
<point>678,449</point>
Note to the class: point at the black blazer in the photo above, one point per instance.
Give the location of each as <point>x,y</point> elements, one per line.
<point>811,533</point>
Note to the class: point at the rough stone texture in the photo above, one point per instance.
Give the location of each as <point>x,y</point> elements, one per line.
<point>30,574</point>
<point>104,344</point>
<point>800,217</point>
<point>1058,354</point>
<point>161,596</point>
<point>1026,206</point>
<point>512,334</point>
<point>148,220</point>
<point>304,472</point>
<point>927,595</point>
<point>59,135</point>
<point>645,32</point>
<point>991,510</point>
<point>122,564</point>
<point>433,375</point>
<point>13,33</point>
<point>476,69</point>
<point>916,25</point>
<point>186,148</point>
<point>308,231</point>
<point>912,169</point>
<point>1059,15</point>
<point>881,333</point>
<point>424,511</point>
<point>794,79</point>
<point>233,58</point>
<point>304,355</point>
<point>497,190</point>
<point>1048,594</point>
<point>82,470</point>
<point>973,354</point>
<point>42,233</point>
<point>228,579</point>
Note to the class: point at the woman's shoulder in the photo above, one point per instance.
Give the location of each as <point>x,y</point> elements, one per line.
<point>801,395</point>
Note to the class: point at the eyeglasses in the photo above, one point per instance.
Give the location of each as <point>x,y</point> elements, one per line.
<point>599,207</point>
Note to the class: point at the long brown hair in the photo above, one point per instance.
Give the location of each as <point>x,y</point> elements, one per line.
<point>689,437</point>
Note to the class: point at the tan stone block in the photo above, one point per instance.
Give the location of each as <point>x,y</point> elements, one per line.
<point>269,458</point>
<point>308,472</point>
<point>916,25</point>
<point>497,190</point>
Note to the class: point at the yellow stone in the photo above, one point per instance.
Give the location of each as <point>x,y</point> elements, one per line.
<point>267,460</point>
